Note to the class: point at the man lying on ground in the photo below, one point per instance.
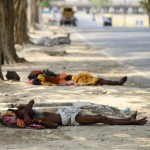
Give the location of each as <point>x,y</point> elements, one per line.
<point>88,79</point>
<point>49,78</point>
<point>26,117</point>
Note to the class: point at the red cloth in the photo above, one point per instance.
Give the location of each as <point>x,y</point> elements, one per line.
<point>34,72</point>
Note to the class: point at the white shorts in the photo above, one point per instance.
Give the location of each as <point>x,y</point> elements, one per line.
<point>68,115</point>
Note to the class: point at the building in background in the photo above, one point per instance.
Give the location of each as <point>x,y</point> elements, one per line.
<point>127,13</point>
<point>132,6</point>
<point>129,2</point>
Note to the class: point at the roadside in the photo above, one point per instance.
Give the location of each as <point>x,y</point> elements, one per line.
<point>78,57</point>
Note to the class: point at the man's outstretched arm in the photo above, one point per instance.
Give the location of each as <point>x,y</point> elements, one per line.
<point>27,112</point>
<point>29,106</point>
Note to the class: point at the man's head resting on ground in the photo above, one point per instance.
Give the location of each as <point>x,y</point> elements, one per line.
<point>14,117</point>
<point>9,118</point>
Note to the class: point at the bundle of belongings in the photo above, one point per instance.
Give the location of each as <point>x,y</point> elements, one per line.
<point>12,75</point>
<point>49,78</point>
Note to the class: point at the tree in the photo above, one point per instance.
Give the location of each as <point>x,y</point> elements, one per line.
<point>33,11</point>
<point>100,2</point>
<point>8,52</point>
<point>45,3</point>
<point>1,75</point>
<point>20,24</point>
<point>146,5</point>
<point>33,14</point>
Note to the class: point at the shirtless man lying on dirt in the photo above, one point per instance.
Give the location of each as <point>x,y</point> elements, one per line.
<point>49,78</point>
<point>25,117</point>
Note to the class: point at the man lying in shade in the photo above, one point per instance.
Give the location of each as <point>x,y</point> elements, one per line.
<point>25,116</point>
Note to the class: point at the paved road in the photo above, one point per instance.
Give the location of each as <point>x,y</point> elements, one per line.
<point>129,46</point>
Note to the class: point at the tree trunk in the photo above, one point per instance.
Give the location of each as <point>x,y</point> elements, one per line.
<point>1,75</point>
<point>37,14</point>
<point>7,30</point>
<point>20,22</point>
<point>149,18</point>
<point>34,14</point>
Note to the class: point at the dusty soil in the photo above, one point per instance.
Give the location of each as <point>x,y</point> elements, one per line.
<point>74,58</point>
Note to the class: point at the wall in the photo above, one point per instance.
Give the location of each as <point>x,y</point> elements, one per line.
<point>131,20</point>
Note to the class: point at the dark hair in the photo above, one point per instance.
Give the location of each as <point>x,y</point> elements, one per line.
<point>49,73</point>
<point>13,110</point>
<point>68,78</point>
<point>36,81</point>
<point>34,74</point>
<point>21,107</point>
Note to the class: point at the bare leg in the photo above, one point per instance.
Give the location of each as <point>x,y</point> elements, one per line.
<point>88,119</point>
<point>93,119</point>
<point>132,117</point>
<point>109,121</point>
<point>109,82</point>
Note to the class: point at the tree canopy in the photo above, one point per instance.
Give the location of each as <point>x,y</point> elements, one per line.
<point>146,5</point>
<point>45,3</point>
<point>101,2</point>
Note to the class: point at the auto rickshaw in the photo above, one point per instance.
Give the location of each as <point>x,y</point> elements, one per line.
<point>107,20</point>
<point>67,16</point>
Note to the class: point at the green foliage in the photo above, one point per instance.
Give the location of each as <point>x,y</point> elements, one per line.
<point>101,2</point>
<point>45,3</point>
<point>146,5</point>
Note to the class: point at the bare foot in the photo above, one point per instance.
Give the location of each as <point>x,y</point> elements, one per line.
<point>133,116</point>
<point>123,80</point>
<point>142,121</point>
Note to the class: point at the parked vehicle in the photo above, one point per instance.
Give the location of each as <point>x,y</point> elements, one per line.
<point>67,16</point>
<point>107,20</point>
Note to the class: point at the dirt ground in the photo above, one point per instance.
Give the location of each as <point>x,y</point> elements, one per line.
<point>74,58</point>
